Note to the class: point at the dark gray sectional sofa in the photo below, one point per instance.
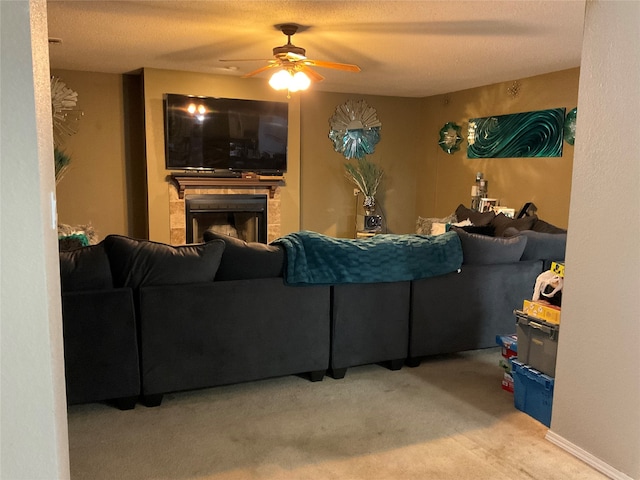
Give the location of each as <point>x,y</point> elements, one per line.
<point>142,319</point>
<point>100,331</point>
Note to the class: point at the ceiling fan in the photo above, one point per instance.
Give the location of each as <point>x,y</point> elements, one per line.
<point>291,60</point>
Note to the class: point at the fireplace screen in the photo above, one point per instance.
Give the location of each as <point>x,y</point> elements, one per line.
<point>240,216</point>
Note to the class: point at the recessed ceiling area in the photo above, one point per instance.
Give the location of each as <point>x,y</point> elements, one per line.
<point>404,48</point>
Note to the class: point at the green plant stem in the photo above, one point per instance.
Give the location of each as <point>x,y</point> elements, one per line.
<point>365,175</point>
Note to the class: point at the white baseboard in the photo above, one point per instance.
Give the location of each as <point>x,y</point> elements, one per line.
<point>586,457</point>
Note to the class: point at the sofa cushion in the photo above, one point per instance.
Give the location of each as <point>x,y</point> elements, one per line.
<point>483,250</point>
<point>477,218</point>
<point>85,268</point>
<point>137,263</point>
<point>501,222</point>
<point>544,246</point>
<point>245,260</point>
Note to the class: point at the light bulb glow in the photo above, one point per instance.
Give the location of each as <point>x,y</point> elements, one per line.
<point>280,80</point>
<point>299,81</point>
<point>286,80</point>
<point>191,108</point>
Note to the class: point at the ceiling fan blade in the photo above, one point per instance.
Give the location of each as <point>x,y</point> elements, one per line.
<point>313,75</point>
<point>336,66</point>
<point>259,70</point>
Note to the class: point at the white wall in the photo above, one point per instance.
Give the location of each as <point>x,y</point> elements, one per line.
<point>596,406</point>
<point>33,406</point>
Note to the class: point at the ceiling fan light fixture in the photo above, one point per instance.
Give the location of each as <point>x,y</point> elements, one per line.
<point>299,81</point>
<point>287,80</point>
<point>291,67</point>
<point>280,80</point>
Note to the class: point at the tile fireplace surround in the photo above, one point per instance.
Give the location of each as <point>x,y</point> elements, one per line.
<point>177,213</point>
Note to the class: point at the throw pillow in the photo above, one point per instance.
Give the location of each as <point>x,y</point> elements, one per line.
<point>438,228</point>
<point>488,230</point>
<point>242,260</point>
<point>544,246</point>
<point>85,268</point>
<point>483,250</point>
<point>501,222</point>
<point>424,226</point>
<point>477,218</point>
<point>510,232</point>
<point>137,263</point>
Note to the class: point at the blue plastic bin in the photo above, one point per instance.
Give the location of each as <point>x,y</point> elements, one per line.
<point>532,392</point>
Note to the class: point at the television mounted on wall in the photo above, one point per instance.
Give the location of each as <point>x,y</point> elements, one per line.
<point>225,135</point>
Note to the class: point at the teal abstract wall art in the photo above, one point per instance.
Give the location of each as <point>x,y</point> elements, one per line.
<point>518,135</point>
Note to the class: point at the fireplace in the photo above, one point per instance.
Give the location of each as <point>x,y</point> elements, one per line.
<point>183,186</point>
<point>238,215</point>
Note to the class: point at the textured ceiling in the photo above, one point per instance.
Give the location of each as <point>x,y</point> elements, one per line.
<point>404,48</point>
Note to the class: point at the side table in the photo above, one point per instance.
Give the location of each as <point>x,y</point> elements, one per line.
<point>366,233</point>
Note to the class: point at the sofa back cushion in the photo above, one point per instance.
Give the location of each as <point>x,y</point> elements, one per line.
<point>138,263</point>
<point>483,250</point>
<point>245,260</point>
<point>544,246</point>
<point>85,268</point>
<point>545,227</point>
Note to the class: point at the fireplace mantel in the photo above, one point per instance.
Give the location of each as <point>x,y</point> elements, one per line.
<point>200,180</point>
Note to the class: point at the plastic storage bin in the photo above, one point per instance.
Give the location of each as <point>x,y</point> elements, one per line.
<point>537,343</point>
<point>532,392</point>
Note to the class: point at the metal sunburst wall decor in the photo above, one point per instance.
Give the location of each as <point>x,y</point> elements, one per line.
<point>63,110</point>
<point>355,129</point>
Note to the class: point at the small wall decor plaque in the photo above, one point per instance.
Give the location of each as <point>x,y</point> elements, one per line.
<point>450,137</point>
<point>570,126</point>
<point>517,135</point>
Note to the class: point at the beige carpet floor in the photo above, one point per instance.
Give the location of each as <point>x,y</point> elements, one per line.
<point>446,419</point>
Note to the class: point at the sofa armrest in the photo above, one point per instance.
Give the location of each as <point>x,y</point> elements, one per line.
<point>100,345</point>
<point>464,311</point>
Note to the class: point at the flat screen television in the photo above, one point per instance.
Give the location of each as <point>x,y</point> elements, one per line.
<point>225,135</point>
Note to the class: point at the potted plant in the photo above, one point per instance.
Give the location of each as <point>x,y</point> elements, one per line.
<point>366,176</point>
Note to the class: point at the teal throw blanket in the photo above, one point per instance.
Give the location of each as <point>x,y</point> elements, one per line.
<point>313,258</point>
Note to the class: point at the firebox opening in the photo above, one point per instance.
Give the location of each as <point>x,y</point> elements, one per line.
<point>240,216</point>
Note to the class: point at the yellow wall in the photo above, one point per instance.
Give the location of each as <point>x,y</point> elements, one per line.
<point>159,82</point>
<point>94,188</point>
<point>446,180</point>
<point>420,178</point>
<point>328,203</point>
